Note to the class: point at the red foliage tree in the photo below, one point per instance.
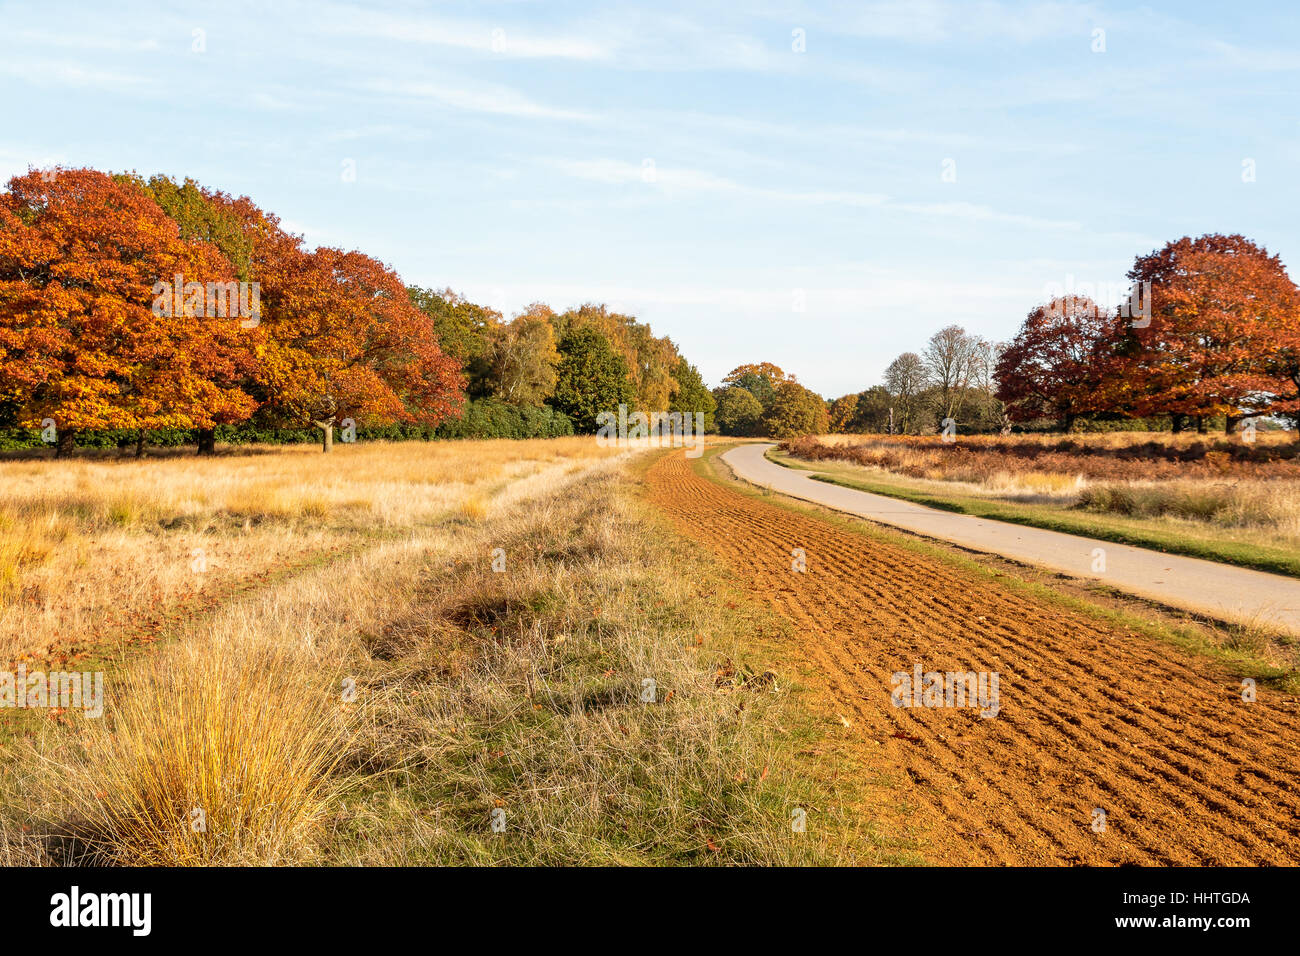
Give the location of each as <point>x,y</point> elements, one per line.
<point>1053,366</point>
<point>345,341</point>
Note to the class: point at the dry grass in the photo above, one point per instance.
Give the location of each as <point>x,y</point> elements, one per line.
<point>1231,485</point>
<point>217,753</point>
<point>475,690</point>
<point>91,549</point>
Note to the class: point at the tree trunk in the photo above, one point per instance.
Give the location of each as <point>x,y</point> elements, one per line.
<point>1232,423</point>
<point>1179,423</point>
<point>66,443</point>
<point>327,434</point>
<point>207,441</point>
<point>139,444</point>
<point>1201,427</point>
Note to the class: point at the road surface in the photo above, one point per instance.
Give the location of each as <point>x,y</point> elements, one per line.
<point>1221,591</point>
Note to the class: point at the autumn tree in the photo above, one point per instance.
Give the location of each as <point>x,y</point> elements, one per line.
<point>338,336</point>
<point>759,379</point>
<point>1053,366</point>
<point>873,410</point>
<point>210,216</point>
<point>843,413</point>
<point>81,256</point>
<point>650,359</point>
<point>465,330</point>
<point>795,411</point>
<point>738,412</point>
<point>346,341</point>
<point>524,358</point>
<point>1224,316</point>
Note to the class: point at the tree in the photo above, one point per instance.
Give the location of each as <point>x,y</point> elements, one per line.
<point>80,257</point>
<point>650,360</point>
<point>1224,317</point>
<point>873,410</point>
<point>759,379</point>
<point>949,359</point>
<point>738,412</point>
<point>591,378</point>
<point>795,411</point>
<point>524,358</point>
<point>692,395</point>
<point>347,342</point>
<point>1052,367</point>
<point>465,331</point>
<point>844,413</point>
<point>201,216</point>
<point>905,381</point>
<point>205,216</point>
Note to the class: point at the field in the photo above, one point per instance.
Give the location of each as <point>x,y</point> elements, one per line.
<point>1099,712</point>
<point>354,673</point>
<point>549,652</point>
<point>1221,499</point>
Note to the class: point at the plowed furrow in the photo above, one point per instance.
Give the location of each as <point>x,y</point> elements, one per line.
<point>1090,716</point>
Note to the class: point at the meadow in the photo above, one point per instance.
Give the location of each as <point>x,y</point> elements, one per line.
<point>470,652</point>
<point>1225,499</point>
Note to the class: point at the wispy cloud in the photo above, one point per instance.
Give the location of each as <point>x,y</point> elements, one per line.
<point>678,180</point>
<point>46,72</point>
<point>498,100</point>
<point>497,38</point>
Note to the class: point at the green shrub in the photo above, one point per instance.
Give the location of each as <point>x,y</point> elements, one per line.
<point>482,418</point>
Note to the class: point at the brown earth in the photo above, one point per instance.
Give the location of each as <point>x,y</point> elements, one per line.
<point>1090,717</point>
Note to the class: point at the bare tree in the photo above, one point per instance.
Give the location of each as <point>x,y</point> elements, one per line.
<point>951,358</point>
<point>905,380</point>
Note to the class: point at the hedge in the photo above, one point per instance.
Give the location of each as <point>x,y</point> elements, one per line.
<point>482,418</point>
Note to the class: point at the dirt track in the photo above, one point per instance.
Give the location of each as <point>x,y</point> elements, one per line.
<point>1186,771</point>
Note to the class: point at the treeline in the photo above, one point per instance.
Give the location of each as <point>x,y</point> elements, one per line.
<point>1210,337</point>
<point>147,311</point>
<point>951,379</point>
<point>762,400</point>
<point>573,365</point>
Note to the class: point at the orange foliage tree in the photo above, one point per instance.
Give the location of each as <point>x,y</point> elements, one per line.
<point>85,342</point>
<point>1224,326</point>
<point>341,338</point>
<point>80,345</point>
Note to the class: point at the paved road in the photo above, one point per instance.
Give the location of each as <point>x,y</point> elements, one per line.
<point>1223,591</point>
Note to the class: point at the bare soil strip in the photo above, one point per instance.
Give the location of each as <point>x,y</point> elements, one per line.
<point>1186,771</point>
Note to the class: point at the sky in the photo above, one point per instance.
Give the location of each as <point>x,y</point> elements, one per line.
<point>819,185</point>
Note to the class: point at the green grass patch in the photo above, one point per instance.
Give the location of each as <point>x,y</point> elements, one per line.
<point>1225,546</point>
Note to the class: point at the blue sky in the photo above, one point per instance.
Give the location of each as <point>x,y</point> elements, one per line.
<point>685,162</point>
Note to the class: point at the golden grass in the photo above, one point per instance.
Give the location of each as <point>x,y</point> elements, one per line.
<point>1215,491</point>
<point>91,547</point>
<point>475,689</point>
<point>216,753</point>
